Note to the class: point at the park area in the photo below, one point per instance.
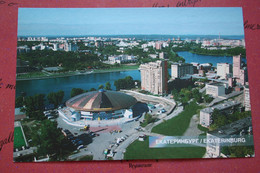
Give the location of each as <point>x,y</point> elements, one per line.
<point>141,150</point>
<point>179,124</point>
<point>176,126</point>
<point>18,138</point>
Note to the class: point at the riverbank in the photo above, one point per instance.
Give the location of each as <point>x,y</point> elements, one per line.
<point>214,54</point>
<point>77,73</point>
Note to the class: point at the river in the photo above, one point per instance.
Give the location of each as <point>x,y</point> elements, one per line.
<point>86,82</point>
<point>191,57</point>
<point>93,80</point>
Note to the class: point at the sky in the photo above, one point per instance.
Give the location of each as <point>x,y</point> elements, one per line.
<point>129,21</point>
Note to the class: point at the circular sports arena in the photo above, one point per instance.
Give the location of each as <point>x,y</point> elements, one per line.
<point>98,106</point>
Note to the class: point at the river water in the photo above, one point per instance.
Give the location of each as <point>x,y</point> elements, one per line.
<point>93,80</point>
<point>190,57</point>
<point>86,82</point>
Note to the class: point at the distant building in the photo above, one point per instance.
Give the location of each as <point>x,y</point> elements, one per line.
<point>23,49</point>
<point>122,59</point>
<point>70,47</point>
<point>242,76</point>
<point>236,66</point>
<point>163,55</point>
<point>238,128</point>
<point>227,107</point>
<point>181,69</point>
<point>247,98</point>
<point>154,77</point>
<point>19,115</point>
<point>158,45</point>
<point>215,89</point>
<point>153,56</point>
<point>22,66</point>
<point>223,69</point>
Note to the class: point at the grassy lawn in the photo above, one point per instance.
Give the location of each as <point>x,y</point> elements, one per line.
<point>31,75</point>
<point>122,67</point>
<point>85,158</point>
<point>18,138</point>
<point>179,124</point>
<point>141,150</point>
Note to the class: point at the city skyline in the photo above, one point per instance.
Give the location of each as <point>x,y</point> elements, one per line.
<point>129,21</point>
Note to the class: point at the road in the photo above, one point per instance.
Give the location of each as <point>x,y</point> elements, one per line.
<point>147,131</point>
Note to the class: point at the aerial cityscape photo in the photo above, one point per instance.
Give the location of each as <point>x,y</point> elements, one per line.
<point>131,83</point>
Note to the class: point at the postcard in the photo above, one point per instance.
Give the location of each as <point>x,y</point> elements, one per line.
<point>131,83</point>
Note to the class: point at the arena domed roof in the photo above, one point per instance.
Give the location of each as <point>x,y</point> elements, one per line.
<point>102,100</point>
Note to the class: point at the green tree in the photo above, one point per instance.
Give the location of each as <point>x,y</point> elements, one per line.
<point>197,95</point>
<point>126,83</point>
<point>76,91</point>
<point>148,118</point>
<point>49,140</point>
<point>34,106</point>
<point>19,102</point>
<point>107,86</point>
<point>101,86</point>
<point>55,98</point>
<point>92,89</point>
<point>207,98</point>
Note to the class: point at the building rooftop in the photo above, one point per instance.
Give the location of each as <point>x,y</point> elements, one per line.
<point>102,100</point>
<point>233,128</point>
<point>181,64</point>
<point>215,84</point>
<point>221,106</point>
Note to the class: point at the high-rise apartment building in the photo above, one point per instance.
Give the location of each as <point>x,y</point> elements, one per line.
<point>181,69</point>
<point>154,77</point>
<point>223,69</point>
<point>236,66</point>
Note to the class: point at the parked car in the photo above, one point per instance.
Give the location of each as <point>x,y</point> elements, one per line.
<point>80,147</point>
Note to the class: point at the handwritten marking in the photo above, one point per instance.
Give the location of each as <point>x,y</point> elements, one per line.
<point>186,3</point>
<point>157,5</point>
<point>134,166</point>
<point>9,4</point>
<point>252,26</point>
<point>8,86</point>
<point>7,140</point>
<point>12,4</point>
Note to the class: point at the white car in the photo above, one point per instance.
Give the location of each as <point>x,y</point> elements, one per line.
<point>80,147</point>
<point>111,154</point>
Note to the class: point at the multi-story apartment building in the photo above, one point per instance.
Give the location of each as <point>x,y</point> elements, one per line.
<point>238,129</point>
<point>227,107</point>
<point>236,66</point>
<point>181,69</point>
<point>154,77</point>
<point>223,69</point>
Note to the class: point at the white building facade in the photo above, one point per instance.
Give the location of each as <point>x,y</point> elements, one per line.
<point>181,69</point>
<point>223,69</point>
<point>154,77</point>
<point>215,89</point>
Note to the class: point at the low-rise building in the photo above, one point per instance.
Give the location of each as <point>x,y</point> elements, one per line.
<point>226,107</point>
<point>247,103</point>
<point>236,129</point>
<point>215,89</point>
